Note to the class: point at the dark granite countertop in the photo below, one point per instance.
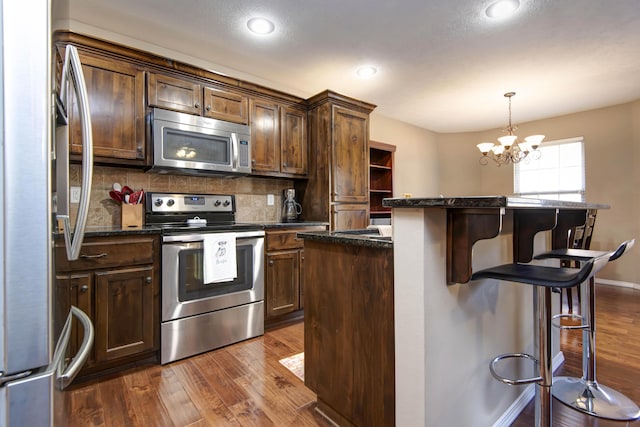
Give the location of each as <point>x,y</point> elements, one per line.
<point>487,202</point>
<point>294,224</point>
<point>105,231</point>
<point>350,237</point>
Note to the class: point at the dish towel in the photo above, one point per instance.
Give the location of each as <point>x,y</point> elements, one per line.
<point>219,257</point>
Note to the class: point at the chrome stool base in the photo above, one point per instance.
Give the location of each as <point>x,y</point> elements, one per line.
<point>594,399</point>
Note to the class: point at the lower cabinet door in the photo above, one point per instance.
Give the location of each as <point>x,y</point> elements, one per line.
<point>349,216</point>
<point>72,289</point>
<point>282,288</point>
<point>123,312</point>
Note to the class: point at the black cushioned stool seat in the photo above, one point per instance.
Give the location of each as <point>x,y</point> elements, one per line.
<point>586,394</point>
<point>544,278</point>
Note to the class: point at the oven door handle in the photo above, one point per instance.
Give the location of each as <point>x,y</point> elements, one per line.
<point>198,237</point>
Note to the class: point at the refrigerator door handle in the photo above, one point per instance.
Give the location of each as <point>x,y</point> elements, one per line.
<point>72,71</point>
<point>63,379</point>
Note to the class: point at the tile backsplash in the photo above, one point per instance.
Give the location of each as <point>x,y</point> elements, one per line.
<point>251,193</point>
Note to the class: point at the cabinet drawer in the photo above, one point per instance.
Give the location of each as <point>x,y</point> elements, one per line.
<point>105,253</point>
<point>287,239</point>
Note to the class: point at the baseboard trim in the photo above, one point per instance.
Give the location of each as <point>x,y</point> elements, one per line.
<point>618,283</point>
<point>512,412</point>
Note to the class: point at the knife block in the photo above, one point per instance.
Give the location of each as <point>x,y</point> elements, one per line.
<point>131,215</point>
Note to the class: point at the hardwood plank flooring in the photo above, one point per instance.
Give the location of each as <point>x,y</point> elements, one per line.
<point>239,385</point>
<point>245,385</point>
<point>617,356</point>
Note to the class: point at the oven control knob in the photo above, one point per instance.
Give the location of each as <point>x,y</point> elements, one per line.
<point>170,202</point>
<point>226,203</point>
<point>158,202</point>
<point>217,203</point>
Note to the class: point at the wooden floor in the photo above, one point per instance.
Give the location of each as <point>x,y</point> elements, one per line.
<point>617,356</point>
<point>245,385</point>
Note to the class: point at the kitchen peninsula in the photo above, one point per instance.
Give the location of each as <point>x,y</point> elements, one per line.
<point>447,330</point>
<point>348,333</point>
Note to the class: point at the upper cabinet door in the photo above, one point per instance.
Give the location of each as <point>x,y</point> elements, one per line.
<point>228,106</point>
<point>293,151</point>
<point>350,156</point>
<point>174,94</point>
<point>265,136</point>
<point>116,101</point>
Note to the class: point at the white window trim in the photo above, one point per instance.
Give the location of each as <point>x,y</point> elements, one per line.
<point>558,142</point>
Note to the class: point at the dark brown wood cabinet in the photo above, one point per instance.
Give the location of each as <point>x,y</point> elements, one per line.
<point>73,290</point>
<point>116,282</point>
<point>283,276</point>
<point>338,187</point>
<point>294,152</point>
<point>125,312</point>
<point>125,84</point>
<point>223,105</point>
<point>116,102</point>
<point>380,178</point>
<point>349,332</point>
<point>284,283</point>
<point>173,93</point>
<point>188,96</point>
<point>265,136</point>
<point>278,139</point>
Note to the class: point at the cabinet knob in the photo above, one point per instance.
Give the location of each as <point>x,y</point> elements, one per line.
<point>208,108</point>
<point>253,161</point>
<point>148,279</point>
<point>197,105</point>
<point>84,288</point>
<point>270,262</point>
<point>284,165</point>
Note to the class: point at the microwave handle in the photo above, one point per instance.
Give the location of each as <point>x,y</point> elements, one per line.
<point>234,151</point>
<point>72,72</point>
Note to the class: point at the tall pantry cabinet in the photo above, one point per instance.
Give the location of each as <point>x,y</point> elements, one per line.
<point>337,190</point>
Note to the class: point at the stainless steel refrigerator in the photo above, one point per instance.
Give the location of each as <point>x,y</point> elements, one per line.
<point>34,365</point>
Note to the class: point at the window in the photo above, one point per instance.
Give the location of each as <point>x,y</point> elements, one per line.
<point>557,175</point>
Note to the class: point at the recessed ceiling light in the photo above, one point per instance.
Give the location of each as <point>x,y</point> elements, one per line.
<point>366,71</point>
<point>502,8</point>
<point>260,25</point>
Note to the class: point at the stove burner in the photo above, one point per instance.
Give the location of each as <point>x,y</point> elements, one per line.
<point>175,213</point>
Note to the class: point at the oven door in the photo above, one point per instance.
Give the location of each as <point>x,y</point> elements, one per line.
<point>184,292</point>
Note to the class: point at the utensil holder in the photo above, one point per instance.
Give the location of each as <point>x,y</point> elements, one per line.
<point>131,216</point>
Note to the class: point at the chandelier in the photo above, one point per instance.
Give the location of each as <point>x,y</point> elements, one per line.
<point>507,149</point>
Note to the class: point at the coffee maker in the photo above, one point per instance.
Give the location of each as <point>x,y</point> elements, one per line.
<point>290,208</point>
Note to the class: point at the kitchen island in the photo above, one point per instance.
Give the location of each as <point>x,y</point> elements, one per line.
<point>447,330</point>
<point>348,333</point>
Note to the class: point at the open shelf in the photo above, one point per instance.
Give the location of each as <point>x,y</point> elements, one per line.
<point>380,178</point>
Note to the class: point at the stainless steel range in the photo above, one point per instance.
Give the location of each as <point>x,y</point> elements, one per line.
<point>212,273</point>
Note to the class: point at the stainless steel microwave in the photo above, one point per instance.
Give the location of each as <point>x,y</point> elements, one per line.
<point>187,144</point>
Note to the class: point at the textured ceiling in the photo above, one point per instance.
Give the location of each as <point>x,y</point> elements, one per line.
<point>443,66</point>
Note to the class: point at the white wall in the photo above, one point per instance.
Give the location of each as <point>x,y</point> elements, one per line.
<point>612,155</point>
<point>416,168</point>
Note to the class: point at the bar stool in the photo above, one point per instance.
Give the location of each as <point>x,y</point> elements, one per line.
<point>586,394</point>
<point>544,278</point>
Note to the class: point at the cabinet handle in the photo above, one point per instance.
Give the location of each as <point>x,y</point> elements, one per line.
<point>84,288</point>
<point>148,279</point>
<point>197,105</point>
<point>208,108</point>
<point>102,255</point>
